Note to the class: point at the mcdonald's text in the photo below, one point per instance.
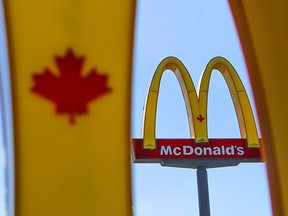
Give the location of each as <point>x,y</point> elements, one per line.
<point>200,150</point>
<point>189,149</point>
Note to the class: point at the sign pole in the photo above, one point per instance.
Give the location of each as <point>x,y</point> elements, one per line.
<point>203,192</point>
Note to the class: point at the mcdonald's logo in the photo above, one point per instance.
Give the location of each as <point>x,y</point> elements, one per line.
<point>199,146</point>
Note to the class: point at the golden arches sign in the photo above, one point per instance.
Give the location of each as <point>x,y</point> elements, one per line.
<point>196,101</point>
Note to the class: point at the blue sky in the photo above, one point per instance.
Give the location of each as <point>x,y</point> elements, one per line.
<point>5,113</point>
<point>195,32</point>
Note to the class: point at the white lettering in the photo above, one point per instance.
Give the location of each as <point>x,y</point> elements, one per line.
<point>207,150</point>
<point>240,151</point>
<point>187,150</point>
<point>198,151</point>
<point>223,150</point>
<point>230,150</point>
<point>201,151</point>
<point>166,150</point>
<point>177,151</point>
<point>216,151</point>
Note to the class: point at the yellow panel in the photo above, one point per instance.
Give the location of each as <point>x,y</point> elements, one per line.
<point>72,160</point>
<point>262,28</point>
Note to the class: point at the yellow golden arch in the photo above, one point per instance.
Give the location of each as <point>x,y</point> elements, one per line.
<point>196,101</point>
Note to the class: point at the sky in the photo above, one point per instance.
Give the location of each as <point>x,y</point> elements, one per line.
<point>6,181</point>
<point>194,31</point>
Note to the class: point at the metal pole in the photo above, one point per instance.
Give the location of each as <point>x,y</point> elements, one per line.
<point>203,192</point>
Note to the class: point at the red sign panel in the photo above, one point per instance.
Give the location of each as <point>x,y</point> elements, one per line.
<point>189,149</point>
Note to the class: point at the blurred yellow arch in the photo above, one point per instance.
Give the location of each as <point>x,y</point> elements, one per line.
<point>263,35</point>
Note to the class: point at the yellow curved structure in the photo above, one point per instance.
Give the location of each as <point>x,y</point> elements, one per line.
<point>63,169</point>
<point>196,102</point>
<point>189,93</point>
<point>262,28</point>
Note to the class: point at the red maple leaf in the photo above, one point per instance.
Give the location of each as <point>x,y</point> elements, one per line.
<point>70,91</point>
<point>200,118</point>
